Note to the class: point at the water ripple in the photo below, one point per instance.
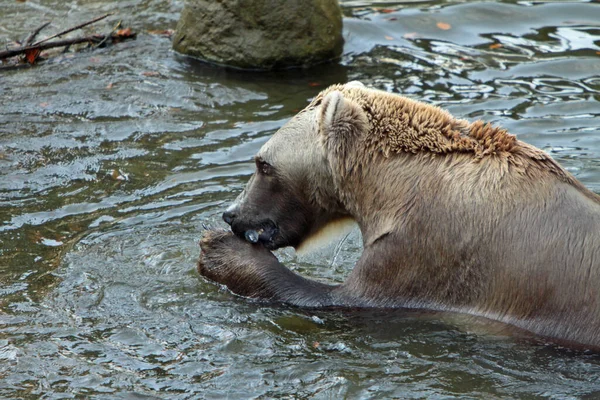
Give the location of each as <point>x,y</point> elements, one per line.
<point>112,160</point>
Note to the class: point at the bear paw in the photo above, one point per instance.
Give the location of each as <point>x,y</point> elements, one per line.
<point>233,262</point>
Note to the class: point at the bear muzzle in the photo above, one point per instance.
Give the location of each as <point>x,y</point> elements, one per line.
<point>255,232</point>
<point>263,235</point>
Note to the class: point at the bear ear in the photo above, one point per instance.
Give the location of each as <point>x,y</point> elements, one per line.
<point>341,119</point>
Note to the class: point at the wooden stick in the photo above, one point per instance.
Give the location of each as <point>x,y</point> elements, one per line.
<point>33,34</point>
<point>117,26</point>
<point>57,43</point>
<point>73,29</point>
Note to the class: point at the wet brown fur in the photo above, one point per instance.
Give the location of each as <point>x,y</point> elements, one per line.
<point>454,216</point>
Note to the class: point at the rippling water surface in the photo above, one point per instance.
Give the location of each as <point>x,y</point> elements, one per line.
<point>111,161</point>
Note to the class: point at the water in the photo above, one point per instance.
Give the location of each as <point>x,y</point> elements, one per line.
<point>111,161</point>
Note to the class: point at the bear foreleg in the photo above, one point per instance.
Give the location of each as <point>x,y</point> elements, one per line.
<point>251,270</point>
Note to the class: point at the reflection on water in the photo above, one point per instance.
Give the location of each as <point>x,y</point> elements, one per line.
<point>111,161</point>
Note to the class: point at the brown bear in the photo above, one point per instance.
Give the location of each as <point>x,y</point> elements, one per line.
<point>455,216</point>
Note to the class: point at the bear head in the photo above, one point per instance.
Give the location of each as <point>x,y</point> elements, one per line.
<point>293,195</point>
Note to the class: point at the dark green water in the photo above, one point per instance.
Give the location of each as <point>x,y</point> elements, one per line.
<point>111,160</point>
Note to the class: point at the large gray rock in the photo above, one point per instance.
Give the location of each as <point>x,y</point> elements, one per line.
<point>263,34</point>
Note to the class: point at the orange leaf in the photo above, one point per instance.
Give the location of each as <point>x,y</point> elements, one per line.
<point>151,73</point>
<point>598,52</point>
<point>124,32</point>
<point>410,35</point>
<point>386,10</point>
<point>443,26</point>
<point>314,84</point>
<point>31,55</point>
<point>389,38</point>
<point>495,46</point>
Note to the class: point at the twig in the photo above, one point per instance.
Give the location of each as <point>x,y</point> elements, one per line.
<point>33,34</point>
<point>57,43</point>
<point>73,29</point>
<point>117,26</point>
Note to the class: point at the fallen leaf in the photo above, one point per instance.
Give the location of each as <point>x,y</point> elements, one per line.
<point>386,10</point>
<point>316,345</point>
<point>389,38</point>
<point>495,46</point>
<point>31,55</point>
<point>109,86</point>
<point>443,26</point>
<point>598,52</point>
<point>124,32</point>
<point>151,73</point>
<point>391,19</point>
<point>410,35</point>
<point>44,104</point>
<point>314,84</point>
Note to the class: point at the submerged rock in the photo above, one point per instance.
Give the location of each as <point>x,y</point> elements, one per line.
<point>260,34</point>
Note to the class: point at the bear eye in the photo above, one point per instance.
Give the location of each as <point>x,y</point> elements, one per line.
<point>263,167</point>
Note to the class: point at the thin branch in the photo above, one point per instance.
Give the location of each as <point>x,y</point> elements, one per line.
<point>73,29</point>
<point>58,43</point>
<point>117,26</point>
<point>33,34</point>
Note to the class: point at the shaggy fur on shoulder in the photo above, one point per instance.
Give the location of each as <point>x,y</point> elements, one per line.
<point>402,125</point>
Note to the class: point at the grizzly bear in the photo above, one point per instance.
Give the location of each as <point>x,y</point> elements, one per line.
<point>454,216</point>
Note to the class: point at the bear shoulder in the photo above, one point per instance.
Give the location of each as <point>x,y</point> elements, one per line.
<point>398,124</point>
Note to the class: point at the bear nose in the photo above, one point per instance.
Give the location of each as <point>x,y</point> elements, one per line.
<point>229,216</point>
